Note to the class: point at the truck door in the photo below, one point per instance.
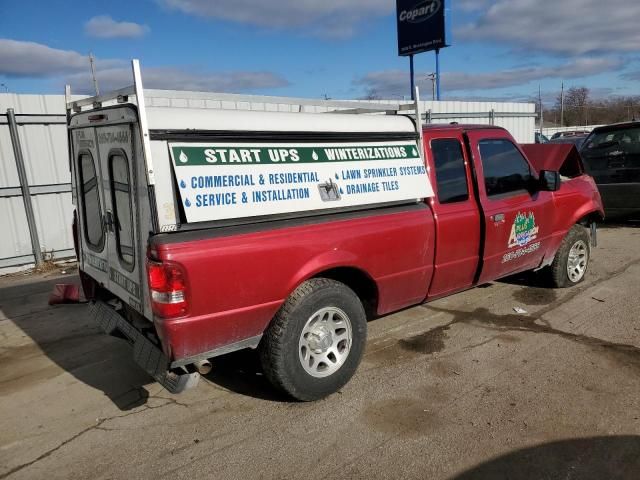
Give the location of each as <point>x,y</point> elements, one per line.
<point>92,238</point>
<point>115,144</point>
<point>456,213</point>
<point>518,219</point>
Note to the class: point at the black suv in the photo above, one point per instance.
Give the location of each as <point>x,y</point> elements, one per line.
<point>612,156</point>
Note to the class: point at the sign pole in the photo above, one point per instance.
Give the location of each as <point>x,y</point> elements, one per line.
<point>438,73</point>
<point>413,80</point>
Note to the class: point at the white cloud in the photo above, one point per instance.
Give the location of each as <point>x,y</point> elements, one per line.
<point>395,82</point>
<point>573,27</point>
<point>326,18</point>
<point>470,5</point>
<point>103,26</point>
<point>35,60</point>
<point>174,78</point>
<point>30,59</point>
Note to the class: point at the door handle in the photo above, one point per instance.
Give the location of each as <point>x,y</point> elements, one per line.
<point>498,217</point>
<point>108,221</point>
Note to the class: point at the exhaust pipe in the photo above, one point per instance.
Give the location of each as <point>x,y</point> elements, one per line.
<point>203,367</point>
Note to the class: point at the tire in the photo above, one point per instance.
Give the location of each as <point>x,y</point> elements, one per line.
<point>315,321</point>
<point>564,271</point>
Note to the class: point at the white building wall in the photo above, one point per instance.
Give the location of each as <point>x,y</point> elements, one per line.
<point>520,122</point>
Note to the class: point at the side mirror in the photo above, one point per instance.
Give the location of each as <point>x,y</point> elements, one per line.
<point>549,181</point>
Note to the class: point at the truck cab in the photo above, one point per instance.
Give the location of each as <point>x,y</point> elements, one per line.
<point>482,182</point>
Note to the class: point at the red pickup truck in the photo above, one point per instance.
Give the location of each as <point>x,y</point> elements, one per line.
<point>189,265</point>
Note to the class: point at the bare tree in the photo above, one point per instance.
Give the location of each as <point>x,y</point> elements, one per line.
<point>372,94</point>
<point>577,96</point>
<point>576,106</point>
<point>581,109</point>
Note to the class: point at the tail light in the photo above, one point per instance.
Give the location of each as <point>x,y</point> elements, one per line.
<point>168,289</point>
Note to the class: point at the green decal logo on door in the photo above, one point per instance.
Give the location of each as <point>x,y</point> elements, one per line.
<point>524,230</point>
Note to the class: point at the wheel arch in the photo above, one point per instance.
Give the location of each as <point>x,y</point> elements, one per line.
<point>359,281</point>
<point>594,216</point>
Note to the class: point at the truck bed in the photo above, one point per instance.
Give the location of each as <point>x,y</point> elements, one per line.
<point>237,287</point>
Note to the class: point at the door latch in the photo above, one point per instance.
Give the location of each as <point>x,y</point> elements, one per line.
<point>498,217</point>
<point>108,221</point>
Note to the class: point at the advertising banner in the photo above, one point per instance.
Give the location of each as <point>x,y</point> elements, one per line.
<point>422,25</point>
<point>221,180</point>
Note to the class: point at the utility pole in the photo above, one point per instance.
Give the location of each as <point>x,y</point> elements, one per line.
<point>562,105</point>
<point>92,62</point>
<point>541,112</point>
<point>586,114</point>
<point>432,77</point>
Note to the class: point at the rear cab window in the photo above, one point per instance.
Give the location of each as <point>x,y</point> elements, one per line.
<point>451,175</point>
<point>612,154</point>
<point>506,171</point>
<point>91,208</point>
<point>627,139</point>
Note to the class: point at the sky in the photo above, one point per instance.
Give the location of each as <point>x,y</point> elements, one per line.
<point>500,49</point>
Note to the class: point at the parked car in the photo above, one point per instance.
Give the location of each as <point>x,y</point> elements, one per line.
<point>540,138</point>
<point>577,140</point>
<point>612,156</point>
<point>571,133</point>
<point>204,231</point>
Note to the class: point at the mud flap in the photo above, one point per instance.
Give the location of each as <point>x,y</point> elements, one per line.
<point>147,355</point>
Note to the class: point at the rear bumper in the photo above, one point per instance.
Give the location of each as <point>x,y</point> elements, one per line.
<point>146,354</point>
<point>189,339</point>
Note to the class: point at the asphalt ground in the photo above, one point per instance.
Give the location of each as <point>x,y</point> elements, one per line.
<point>462,388</point>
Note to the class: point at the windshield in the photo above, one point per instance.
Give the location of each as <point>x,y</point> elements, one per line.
<point>626,139</point>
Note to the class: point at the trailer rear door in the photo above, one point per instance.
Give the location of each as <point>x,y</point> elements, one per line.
<point>116,153</point>
<point>91,206</point>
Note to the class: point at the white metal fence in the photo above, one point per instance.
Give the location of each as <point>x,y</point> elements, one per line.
<point>549,132</point>
<point>41,140</point>
<point>40,126</point>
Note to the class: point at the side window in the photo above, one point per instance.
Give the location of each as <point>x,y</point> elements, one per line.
<point>505,169</point>
<point>451,176</point>
<point>122,207</point>
<point>91,212</point>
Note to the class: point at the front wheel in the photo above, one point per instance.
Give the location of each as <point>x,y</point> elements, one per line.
<point>570,264</point>
<point>315,342</point>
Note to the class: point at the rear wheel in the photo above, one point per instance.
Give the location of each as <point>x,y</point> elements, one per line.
<point>315,342</point>
<point>570,264</point>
